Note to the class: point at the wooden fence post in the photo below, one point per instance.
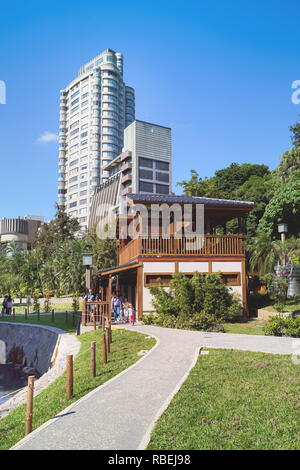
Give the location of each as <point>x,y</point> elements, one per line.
<point>14,312</point>
<point>29,405</point>
<point>52,315</point>
<point>109,331</point>
<point>69,378</point>
<point>93,359</point>
<point>25,313</point>
<point>104,349</point>
<point>107,341</point>
<point>94,319</point>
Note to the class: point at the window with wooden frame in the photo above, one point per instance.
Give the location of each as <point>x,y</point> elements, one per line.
<point>156,279</point>
<point>231,279</point>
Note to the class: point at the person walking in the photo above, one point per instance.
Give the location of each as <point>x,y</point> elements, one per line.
<point>116,304</point>
<point>125,306</point>
<point>9,304</point>
<point>28,302</point>
<point>4,305</point>
<point>90,297</point>
<point>131,314</point>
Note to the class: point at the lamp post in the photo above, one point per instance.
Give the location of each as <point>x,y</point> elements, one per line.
<point>282,229</point>
<point>87,261</point>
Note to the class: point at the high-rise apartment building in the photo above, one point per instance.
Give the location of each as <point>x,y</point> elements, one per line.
<point>95,108</point>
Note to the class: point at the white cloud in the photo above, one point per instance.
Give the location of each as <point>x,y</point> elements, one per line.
<point>47,137</point>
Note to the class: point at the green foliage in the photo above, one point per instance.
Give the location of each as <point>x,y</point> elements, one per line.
<point>75,302</point>
<point>276,287</point>
<point>265,253</point>
<point>279,306</point>
<point>283,326</point>
<point>295,129</point>
<point>202,302</point>
<point>283,207</point>
<point>36,303</point>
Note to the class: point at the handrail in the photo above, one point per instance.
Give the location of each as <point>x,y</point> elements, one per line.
<point>95,312</point>
<point>221,245</point>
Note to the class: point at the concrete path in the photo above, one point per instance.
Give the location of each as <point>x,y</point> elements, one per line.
<point>121,413</point>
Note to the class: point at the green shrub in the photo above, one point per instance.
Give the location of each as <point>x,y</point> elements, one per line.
<point>201,303</point>
<point>279,306</point>
<point>283,326</point>
<point>276,287</point>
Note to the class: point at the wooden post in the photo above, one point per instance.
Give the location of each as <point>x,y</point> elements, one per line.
<point>83,313</point>
<point>109,331</point>
<point>38,315</point>
<point>104,350</point>
<point>109,295</point>
<point>107,341</point>
<point>139,293</point>
<point>14,312</point>
<point>93,359</point>
<point>29,405</point>
<point>25,313</point>
<point>94,318</point>
<point>69,379</point>
<point>52,315</point>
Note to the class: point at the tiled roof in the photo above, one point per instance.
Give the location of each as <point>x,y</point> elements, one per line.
<point>157,198</point>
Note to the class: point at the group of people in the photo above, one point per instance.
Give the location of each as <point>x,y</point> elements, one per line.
<point>7,305</point>
<point>123,311</point>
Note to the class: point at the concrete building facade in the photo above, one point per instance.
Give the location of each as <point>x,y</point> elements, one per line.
<point>144,167</point>
<point>95,108</point>
<point>20,231</point>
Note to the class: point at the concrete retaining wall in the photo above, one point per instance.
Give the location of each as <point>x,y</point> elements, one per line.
<point>27,345</point>
<point>44,347</point>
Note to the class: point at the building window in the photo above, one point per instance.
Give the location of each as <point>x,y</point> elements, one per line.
<point>146,162</point>
<point>146,187</point>
<point>231,279</point>
<point>146,174</point>
<point>162,177</point>
<point>157,279</point>
<point>162,189</point>
<point>162,165</point>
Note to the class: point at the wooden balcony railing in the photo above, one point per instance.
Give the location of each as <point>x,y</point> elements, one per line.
<point>219,245</point>
<point>95,313</point>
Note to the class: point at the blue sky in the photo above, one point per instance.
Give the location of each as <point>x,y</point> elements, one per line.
<point>219,73</point>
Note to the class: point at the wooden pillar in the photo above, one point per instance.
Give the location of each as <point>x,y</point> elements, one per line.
<point>88,277</point>
<point>139,292</point>
<point>109,295</point>
<point>244,289</point>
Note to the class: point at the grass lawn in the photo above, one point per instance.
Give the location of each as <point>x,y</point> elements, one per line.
<point>60,320</point>
<point>289,307</point>
<point>251,327</point>
<point>234,400</point>
<point>126,344</point>
<point>57,306</point>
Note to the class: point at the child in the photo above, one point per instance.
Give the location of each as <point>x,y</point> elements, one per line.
<point>125,306</point>
<point>131,314</point>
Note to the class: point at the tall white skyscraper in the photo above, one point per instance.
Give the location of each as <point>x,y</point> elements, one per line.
<point>95,108</point>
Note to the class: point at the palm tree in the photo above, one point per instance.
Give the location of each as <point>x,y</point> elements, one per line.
<point>266,253</point>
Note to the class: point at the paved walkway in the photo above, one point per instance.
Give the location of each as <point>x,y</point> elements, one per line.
<point>121,413</point>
